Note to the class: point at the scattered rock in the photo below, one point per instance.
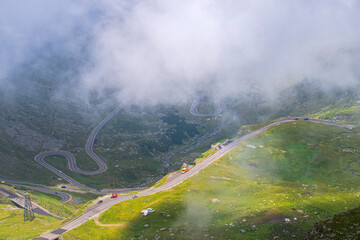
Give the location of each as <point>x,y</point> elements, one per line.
<point>348,150</point>
<point>250,146</point>
<point>215,200</point>
<point>146,225</point>
<point>220,178</point>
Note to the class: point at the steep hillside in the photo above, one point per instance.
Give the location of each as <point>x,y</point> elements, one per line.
<point>43,110</point>
<point>342,226</point>
<point>139,144</point>
<point>274,186</point>
<point>12,225</point>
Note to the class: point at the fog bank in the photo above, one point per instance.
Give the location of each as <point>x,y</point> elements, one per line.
<point>165,51</point>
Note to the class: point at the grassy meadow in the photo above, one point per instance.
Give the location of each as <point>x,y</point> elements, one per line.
<point>294,171</point>
<point>13,227</point>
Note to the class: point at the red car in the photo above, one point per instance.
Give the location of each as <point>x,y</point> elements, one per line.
<point>296,118</point>
<point>114,195</point>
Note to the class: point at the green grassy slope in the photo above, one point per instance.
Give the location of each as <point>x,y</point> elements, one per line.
<point>13,227</point>
<point>137,141</point>
<point>346,110</point>
<point>65,210</point>
<point>342,226</point>
<point>295,170</point>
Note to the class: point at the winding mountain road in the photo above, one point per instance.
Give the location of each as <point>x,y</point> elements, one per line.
<point>19,200</point>
<point>65,197</point>
<point>194,111</point>
<point>72,160</point>
<point>95,210</point>
<point>194,108</point>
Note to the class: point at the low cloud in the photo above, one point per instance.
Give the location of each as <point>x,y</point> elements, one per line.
<point>165,51</point>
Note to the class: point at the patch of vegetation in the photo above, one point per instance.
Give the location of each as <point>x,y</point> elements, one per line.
<point>51,203</point>
<point>4,199</point>
<point>181,129</point>
<point>342,226</point>
<point>162,181</point>
<point>345,111</point>
<point>208,153</point>
<point>137,155</point>
<point>206,105</point>
<point>140,145</point>
<point>275,185</point>
<point>246,129</point>
<point>13,227</point>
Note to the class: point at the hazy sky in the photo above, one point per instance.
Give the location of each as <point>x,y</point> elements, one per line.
<point>165,50</point>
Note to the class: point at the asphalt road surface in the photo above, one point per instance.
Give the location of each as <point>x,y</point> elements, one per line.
<point>65,197</point>
<point>72,160</point>
<point>7,193</point>
<point>19,201</point>
<point>94,210</point>
<point>194,108</point>
<point>40,158</point>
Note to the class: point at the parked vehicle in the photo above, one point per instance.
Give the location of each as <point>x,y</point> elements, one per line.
<point>306,118</point>
<point>114,195</point>
<point>184,170</point>
<point>63,186</point>
<point>100,201</point>
<point>135,196</point>
<point>296,118</point>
